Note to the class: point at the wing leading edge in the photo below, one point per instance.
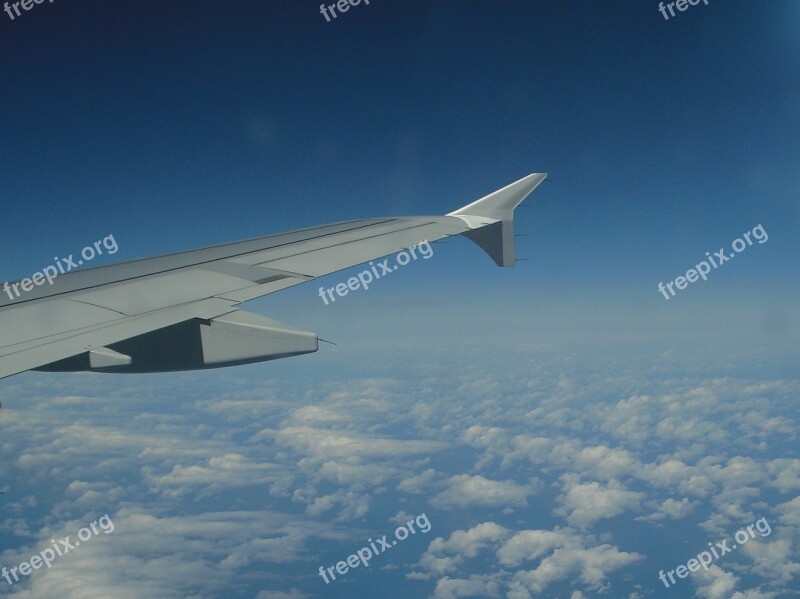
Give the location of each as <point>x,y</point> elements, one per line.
<point>178,312</point>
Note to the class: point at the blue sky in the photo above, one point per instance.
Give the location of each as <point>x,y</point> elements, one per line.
<point>175,125</point>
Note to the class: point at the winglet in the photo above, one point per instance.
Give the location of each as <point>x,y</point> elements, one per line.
<point>491,218</point>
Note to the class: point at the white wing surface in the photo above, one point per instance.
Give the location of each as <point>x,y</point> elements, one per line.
<point>178,312</point>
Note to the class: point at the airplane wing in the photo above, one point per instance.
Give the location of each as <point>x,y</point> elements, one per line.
<point>178,312</point>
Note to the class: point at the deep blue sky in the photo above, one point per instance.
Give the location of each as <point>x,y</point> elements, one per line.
<point>176,125</point>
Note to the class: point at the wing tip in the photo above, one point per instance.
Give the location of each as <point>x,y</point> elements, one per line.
<point>496,237</point>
